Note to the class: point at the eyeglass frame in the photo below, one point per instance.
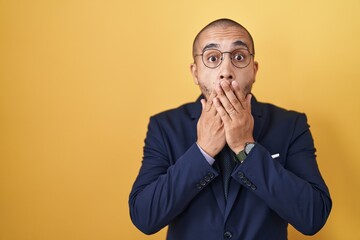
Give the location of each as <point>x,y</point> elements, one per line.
<point>222,57</point>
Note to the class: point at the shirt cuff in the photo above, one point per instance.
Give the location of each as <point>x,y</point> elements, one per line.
<point>208,158</point>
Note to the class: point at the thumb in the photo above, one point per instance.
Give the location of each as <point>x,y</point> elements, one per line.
<point>248,101</point>
<point>202,104</point>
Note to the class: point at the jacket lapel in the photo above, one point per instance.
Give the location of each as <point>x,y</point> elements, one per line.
<point>218,189</point>
<point>195,112</point>
<point>234,190</point>
<point>258,118</point>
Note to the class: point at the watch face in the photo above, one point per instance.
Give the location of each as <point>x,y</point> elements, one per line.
<point>248,147</point>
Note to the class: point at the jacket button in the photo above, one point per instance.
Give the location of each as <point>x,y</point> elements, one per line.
<point>211,175</point>
<point>227,235</point>
<point>198,186</point>
<point>207,179</point>
<point>253,187</point>
<point>202,182</point>
<point>241,174</point>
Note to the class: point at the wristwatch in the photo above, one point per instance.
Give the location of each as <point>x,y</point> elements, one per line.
<point>243,154</point>
<point>248,147</point>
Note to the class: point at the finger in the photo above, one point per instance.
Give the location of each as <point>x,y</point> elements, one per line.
<point>219,121</point>
<point>238,92</point>
<point>225,102</point>
<point>208,109</point>
<point>217,118</point>
<point>230,94</point>
<point>211,97</point>
<point>209,101</point>
<point>248,102</point>
<point>203,104</point>
<point>221,111</point>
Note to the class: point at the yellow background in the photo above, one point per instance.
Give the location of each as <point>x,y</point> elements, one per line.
<point>79,80</point>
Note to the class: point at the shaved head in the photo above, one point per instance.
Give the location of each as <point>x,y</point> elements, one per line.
<point>222,23</point>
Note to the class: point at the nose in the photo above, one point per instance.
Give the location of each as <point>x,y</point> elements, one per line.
<point>226,69</point>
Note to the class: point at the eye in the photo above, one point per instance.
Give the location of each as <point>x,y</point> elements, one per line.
<point>239,57</point>
<point>212,58</point>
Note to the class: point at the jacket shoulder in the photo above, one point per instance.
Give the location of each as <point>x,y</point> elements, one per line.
<point>274,110</point>
<point>187,110</point>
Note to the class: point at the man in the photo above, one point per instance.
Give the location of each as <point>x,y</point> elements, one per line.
<point>228,166</point>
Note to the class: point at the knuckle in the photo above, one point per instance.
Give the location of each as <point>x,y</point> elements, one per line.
<point>231,111</point>
<point>223,114</point>
<point>234,102</point>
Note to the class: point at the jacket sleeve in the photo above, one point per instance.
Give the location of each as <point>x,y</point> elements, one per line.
<point>164,187</point>
<point>294,189</point>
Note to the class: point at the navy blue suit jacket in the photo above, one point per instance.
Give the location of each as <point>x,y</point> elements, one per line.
<point>177,187</point>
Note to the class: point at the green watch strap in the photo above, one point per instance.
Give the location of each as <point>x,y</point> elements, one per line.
<point>241,156</point>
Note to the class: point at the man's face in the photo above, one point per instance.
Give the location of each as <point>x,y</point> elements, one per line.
<point>225,39</point>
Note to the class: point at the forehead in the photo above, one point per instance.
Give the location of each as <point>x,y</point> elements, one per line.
<point>223,37</point>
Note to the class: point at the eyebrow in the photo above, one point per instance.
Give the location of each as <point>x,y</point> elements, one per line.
<point>240,43</point>
<point>210,45</point>
<point>215,45</point>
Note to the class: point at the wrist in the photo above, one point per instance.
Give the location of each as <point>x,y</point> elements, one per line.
<point>204,149</point>
<point>241,156</point>
<point>242,146</point>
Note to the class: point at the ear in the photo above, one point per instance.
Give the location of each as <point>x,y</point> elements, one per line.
<point>194,73</point>
<point>256,68</point>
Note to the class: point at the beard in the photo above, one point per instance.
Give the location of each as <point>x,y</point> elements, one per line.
<point>205,91</point>
<point>247,89</point>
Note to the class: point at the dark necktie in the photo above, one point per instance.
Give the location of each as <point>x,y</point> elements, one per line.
<point>227,164</point>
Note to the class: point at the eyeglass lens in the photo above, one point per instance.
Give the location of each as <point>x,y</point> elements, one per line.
<point>240,58</point>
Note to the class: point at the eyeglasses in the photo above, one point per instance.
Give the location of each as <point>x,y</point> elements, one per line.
<point>212,58</point>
